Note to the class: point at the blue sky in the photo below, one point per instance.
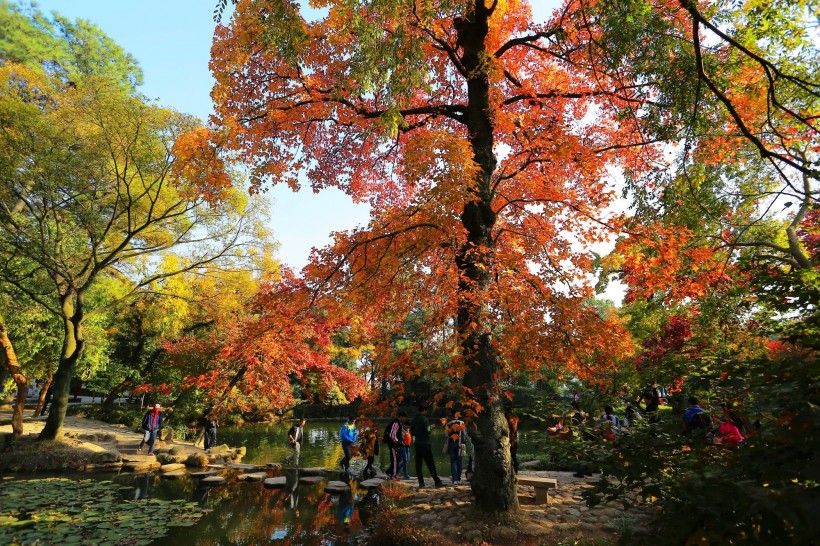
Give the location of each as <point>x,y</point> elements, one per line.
<point>171,41</point>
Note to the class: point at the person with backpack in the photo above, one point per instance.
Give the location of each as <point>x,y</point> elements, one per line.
<point>695,417</point>
<point>420,430</point>
<point>348,434</point>
<point>394,439</point>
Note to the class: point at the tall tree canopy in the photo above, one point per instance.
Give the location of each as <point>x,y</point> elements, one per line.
<point>487,145</point>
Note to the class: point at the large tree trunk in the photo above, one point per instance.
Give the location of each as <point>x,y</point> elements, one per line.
<point>493,483</point>
<point>19,379</point>
<point>73,346</point>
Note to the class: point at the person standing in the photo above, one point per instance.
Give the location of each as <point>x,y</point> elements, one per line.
<point>394,439</point>
<point>512,423</point>
<point>348,434</point>
<point>210,421</point>
<point>420,430</point>
<point>407,440</point>
<point>370,447</point>
<point>151,424</point>
<point>295,435</point>
<point>454,431</point>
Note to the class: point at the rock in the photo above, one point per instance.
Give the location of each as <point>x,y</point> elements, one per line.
<point>174,475</point>
<point>241,451</point>
<point>252,477</point>
<point>221,450</point>
<point>104,466</point>
<point>197,460</point>
<point>168,458</point>
<point>504,534</point>
<point>181,450</point>
<point>275,483</point>
<point>140,466</point>
<point>166,435</point>
<point>427,518</point>
<point>532,465</point>
<point>171,467</point>
<point>273,465</point>
<point>574,512</point>
<point>336,487</point>
<point>372,483</point>
<point>213,480</point>
<point>311,480</point>
<point>473,535</point>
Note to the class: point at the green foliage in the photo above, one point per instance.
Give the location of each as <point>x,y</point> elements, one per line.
<point>62,511</point>
<point>767,489</point>
<point>70,50</point>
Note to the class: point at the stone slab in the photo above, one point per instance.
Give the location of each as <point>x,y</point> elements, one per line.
<point>171,467</point>
<point>213,480</point>
<point>312,471</point>
<point>311,480</point>
<point>275,483</point>
<point>336,487</point>
<point>372,483</point>
<point>204,474</point>
<point>252,477</point>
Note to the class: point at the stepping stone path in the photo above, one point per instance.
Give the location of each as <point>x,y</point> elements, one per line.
<point>336,487</point>
<point>311,480</point>
<point>252,477</point>
<point>275,483</point>
<point>213,480</point>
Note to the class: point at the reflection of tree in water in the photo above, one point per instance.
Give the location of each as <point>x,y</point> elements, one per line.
<point>249,513</point>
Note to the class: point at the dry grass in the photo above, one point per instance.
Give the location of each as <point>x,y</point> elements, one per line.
<point>30,455</point>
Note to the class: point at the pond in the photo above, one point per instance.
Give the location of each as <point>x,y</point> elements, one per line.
<point>267,443</point>
<point>250,513</point>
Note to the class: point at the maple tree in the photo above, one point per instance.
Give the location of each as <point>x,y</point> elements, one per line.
<point>480,139</point>
<point>251,357</point>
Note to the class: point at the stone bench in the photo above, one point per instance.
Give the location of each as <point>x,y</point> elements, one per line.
<point>541,485</point>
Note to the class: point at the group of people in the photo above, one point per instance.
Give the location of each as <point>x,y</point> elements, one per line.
<point>398,436</point>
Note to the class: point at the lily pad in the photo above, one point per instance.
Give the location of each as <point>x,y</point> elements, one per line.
<point>63,511</point>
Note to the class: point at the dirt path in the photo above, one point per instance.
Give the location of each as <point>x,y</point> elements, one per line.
<point>118,437</point>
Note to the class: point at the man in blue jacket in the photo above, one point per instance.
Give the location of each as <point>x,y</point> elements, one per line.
<point>348,434</point>
<point>151,423</point>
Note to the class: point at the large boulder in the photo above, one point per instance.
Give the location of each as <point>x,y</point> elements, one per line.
<point>197,460</point>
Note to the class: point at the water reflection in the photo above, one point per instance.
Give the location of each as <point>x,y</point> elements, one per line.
<point>142,484</point>
<point>249,513</point>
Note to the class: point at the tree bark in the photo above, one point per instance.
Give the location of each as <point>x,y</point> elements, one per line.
<point>19,379</point>
<point>494,483</point>
<point>73,346</point>
<point>41,399</point>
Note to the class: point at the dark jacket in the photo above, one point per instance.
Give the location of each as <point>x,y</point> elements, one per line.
<point>151,420</point>
<point>420,429</point>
